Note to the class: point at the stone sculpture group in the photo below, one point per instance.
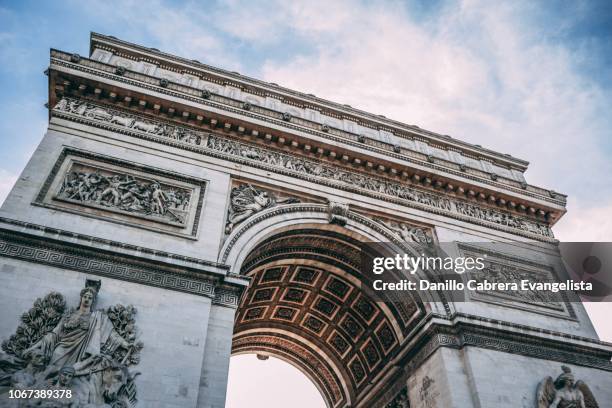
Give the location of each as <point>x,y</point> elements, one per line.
<point>84,350</point>
<point>124,192</point>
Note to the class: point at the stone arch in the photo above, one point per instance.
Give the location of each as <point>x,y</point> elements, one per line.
<point>254,230</point>
<point>305,304</point>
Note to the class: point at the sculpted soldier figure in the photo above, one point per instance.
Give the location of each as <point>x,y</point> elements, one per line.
<point>158,199</point>
<point>26,377</point>
<point>114,186</point>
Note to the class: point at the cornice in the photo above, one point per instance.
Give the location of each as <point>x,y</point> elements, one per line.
<point>179,64</point>
<point>96,256</point>
<point>192,95</point>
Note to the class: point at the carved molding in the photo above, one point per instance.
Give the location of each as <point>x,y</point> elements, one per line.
<point>459,336</point>
<point>85,260</point>
<point>378,187</point>
<point>316,172</point>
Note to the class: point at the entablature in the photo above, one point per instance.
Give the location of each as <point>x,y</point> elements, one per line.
<point>77,79</point>
<point>418,149</point>
<point>180,70</point>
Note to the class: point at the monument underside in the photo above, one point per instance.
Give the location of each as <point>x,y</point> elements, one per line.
<point>232,214</point>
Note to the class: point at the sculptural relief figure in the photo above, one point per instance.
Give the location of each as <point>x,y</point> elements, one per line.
<point>62,383</point>
<point>409,233</point>
<point>85,350</point>
<point>115,184</point>
<point>17,378</point>
<point>246,200</point>
<point>124,192</point>
<point>158,199</point>
<point>564,392</point>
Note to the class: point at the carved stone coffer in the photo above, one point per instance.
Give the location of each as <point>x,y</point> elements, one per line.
<point>124,192</point>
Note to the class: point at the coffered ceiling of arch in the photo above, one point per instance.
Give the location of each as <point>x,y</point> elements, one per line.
<point>305,304</point>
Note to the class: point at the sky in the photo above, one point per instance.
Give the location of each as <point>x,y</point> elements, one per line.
<point>533,79</point>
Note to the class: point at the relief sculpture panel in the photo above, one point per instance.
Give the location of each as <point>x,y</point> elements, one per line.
<point>124,192</point>
<point>308,169</point>
<point>120,191</point>
<point>505,268</point>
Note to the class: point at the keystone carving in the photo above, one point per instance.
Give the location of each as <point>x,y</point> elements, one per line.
<point>84,350</point>
<point>337,213</point>
<point>246,200</point>
<point>564,392</point>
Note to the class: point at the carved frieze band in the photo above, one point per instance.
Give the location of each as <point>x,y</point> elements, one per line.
<point>90,262</point>
<point>507,343</point>
<point>216,100</point>
<point>307,169</point>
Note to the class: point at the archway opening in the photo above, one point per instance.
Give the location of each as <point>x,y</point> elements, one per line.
<point>269,383</point>
<point>305,305</point>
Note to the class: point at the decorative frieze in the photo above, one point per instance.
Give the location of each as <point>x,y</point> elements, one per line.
<point>376,186</point>
<point>126,120</point>
<point>312,116</point>
<point>97,263</point>
<point>308,169</point>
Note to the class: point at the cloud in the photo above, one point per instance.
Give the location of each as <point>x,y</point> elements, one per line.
<point>7,180</point>
<point>585,224</point>
<point>186,29</point>
<point>475,72</point>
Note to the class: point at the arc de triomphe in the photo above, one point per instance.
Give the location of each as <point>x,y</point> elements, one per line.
<point>229,213</point>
